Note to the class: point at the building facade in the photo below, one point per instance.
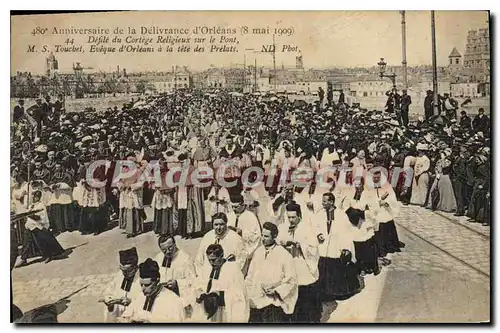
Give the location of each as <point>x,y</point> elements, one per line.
<point>369,87</point>
<point>310,87</point>
<point>477,53</point>
<point>199,80</point>
<point>166,82</point>
<point>216,79</point>
<point>238,79</point>
<point>264,83</point>
<point>422,87</point>
<point>341,83</point>
<point>463,90</point>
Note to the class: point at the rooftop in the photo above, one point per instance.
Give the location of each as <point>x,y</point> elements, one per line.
<point>454,53</point>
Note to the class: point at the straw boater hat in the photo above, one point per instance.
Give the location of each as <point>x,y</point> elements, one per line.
<point>422,147</point>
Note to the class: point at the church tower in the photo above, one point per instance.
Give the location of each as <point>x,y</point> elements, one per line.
<point>455,59</point>
<point>299,63</point>
<point>51,65</point>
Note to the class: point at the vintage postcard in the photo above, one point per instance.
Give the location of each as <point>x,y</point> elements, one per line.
<point>250,167</point>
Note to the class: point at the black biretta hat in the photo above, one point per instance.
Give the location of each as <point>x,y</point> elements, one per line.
<point>129,257</point>
<point>355,215</point>
<point>149,269</point>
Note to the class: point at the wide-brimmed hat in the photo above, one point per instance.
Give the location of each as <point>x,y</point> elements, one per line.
<point>422,147</point>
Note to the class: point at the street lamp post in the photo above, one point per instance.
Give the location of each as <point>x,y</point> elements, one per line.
<point>434,66</point>
<point>382,66</point>
<point>403,36</point>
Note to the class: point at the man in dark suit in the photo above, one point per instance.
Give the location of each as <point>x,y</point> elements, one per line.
<point>465,121</point>
<point>481,122</point>
<point>428,105</point>
<point>459,180</point>
<point>321,95</point>
<point>37,113</point>
<point>18,111</point>
<point>58,107</point>
<point>329,95</point>
<point>405,107</point>
<point>470,169</point>
<point>341,97</point>
<point>46,110</point>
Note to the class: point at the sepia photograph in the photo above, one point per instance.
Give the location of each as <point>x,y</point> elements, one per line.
<point>287,167</point>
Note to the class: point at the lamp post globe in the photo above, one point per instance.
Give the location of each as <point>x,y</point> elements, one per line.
<point>382,65</point>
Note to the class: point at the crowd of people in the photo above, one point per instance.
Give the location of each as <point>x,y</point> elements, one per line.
<point>280,251</point>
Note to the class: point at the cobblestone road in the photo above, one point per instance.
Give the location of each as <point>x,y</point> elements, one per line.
<point>454,240</point>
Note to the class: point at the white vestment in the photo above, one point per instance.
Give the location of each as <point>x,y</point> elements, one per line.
<point>382,213</point>
<point>250,227</point>
<point>231,282</point>
<point>181,270</point>
<point>340,236</point>
<point>366,227</point>
<point>214,207</point>
<point>275,269</point>
<point>327,158</point>
<point>167,308</point>
<point>231,243</point>
<point>43,222</point>
<point>306,260</point>
<point>114,291</point>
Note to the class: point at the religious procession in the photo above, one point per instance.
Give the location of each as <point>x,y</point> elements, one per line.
<point>276,246</point>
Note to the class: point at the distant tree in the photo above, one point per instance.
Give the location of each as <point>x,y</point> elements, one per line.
<point>110,85</point>
<point>140,86</point>
<point>150,87</point>
<point>66,87</point>
<point>55,85</point>
<point>33,90</point>
<point>128,87</point>
<point>101,90</point>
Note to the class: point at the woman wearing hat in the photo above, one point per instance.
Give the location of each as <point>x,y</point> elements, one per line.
<point>441,195</point>
<point>479,209</point>
<point>420,185</point>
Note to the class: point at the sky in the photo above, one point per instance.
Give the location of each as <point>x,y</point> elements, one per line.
<point>325,38</point>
